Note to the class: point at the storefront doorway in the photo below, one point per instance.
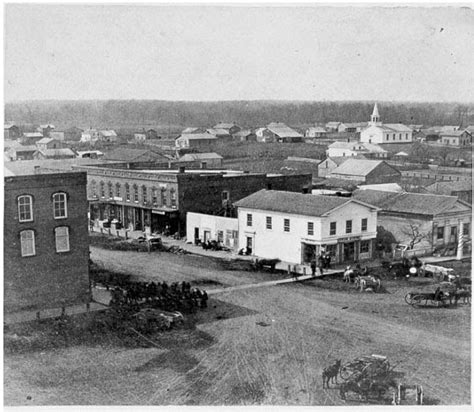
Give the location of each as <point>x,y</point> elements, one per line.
<point>249,245</point>
<point>349,252</point>
<point>308,252</point>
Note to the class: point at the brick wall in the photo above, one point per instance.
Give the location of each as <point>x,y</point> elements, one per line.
<point>48,279</point>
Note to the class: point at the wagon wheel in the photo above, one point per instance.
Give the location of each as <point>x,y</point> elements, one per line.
<point>409,298</point>
<point>346,371</point>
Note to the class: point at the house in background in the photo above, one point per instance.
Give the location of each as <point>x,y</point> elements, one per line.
<point>316,131</point>
<point>230,128</point>
<point>201,160</point>
<point>332,127</point>
<point>278,132</point>
<point>197,141</point>
<point>45,229</point>
<point>152,134</point>
<point>108,136</point>
<point>435,220</point>
<point>89,136</point>
<point>296,227</point>
<point>460,138</point>
<point>222,134</point>
<point>64,153</point>
<point>124,154</point>
<point>245,135</point>
<point>30,138</point>
<point>349,149</point>
<point>329,164</point>
<point>58,135</point>
<point>45,129</point>
<point>48,143</point>
<point>11,131</point>
<point>194,130</point>
<point>139,137</point>
<point>21,152</point>
<point>366,171</point>
<point>351,127</point>
<point>73,134</point>
<point>462,189</point>
<point>378,132</point>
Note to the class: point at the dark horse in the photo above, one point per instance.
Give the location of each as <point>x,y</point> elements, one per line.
<point>330,373</point>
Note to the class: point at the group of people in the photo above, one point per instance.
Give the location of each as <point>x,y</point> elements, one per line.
<point>322,262</point>
<point>176,296</point>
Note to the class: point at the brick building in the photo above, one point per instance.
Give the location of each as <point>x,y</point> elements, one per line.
<point>152,200</point>
<point>46,243</point>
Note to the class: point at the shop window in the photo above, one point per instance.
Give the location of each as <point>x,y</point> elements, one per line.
<point>62,239</point>
<point>465,230</point>
<point>286,225</point>
<point>25,208</point>
<point>348,226</point>
<point>249,219</point>
<point>363,225</point>
<point>364,246</point>
<point>332,229</point>
<point>269,222</point>
<point>310,228</point>
<point>60,205</point>
<point>27,241</point>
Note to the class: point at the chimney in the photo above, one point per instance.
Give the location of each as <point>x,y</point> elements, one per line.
<point>182,169</point>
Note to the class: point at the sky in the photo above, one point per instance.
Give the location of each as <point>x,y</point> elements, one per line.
<point>208,53</point>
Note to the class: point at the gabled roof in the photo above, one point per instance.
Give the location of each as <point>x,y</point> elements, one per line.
<point>8,126</point>
<point>45,126</point>
<point>198,136</point>
<point>282,130</point>
<point>456,133</point>
<point>358,167</point>
<point>410,203</point>
<point>446,188</point>
<point>383,187</point>
<point>401,154</point>
<point>397,127</point>
<point>108,133</point>
<point>292,202</point>
<point>333,124</point>
<point>31,135</point>
<point>22,148</point>
<point>45,140</point>
<point>335,184</point>
<point>129,155</point>
<point>57,152</point>
<point>357,124</point>
<point>199,156</point>
<point>357,146</point>
<point>189,130</point>
<point>218,132</point>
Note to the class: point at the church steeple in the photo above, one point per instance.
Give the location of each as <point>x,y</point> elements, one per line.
<point>375,118</point>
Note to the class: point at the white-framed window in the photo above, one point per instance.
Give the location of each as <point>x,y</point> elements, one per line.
<point>154,196</point>
<point>173,197</point>
<point>144,193</point>
<point>286,225</point>
<point>249,219</point>
<point>117,189</point>
<point>310,228</point>
<point>61,234</point>
<point>25,208</point>
<point>135,193</point>
<point>364,246</point>
<point>163,196</point>
<point>60,205</point>
<point>363,225</point>
<point>111,190</point>
<point>27,241</point>
<point>348,226</point>
<point>102,189</point>
<point>94,188</point>
<point>127,192</point>
<point>332,228</point>
<point>269,222</point>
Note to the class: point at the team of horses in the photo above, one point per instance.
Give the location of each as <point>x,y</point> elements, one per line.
<point>362,279</point>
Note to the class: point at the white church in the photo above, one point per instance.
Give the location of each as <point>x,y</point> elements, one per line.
<point>378,132</point>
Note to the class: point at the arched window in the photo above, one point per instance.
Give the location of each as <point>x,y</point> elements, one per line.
<point>117,189</point>
<point>127,192</point>
<point>144,193</point>
<point>60,205</point>
<point>163,196</point>
<point>173,197</point>
<point>135,193</point>
<point>61,235</point>
<point>25,208</point>
<point>154,195</point>
<point>27,241</point>
<point>94,188</point>
<point>102,189</point>
<point>111,190</point>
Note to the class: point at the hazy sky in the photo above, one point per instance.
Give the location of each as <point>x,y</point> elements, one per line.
<point>238,53</point>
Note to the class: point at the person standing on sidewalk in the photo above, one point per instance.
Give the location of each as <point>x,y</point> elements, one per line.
<point>313,267</point>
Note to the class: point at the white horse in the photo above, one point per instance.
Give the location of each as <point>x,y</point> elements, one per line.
<point>367,281</point>
<point>349,274</point>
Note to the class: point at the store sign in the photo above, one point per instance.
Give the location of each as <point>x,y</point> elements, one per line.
<point>348,239</point>
<point>119,199</point>
<point>158,212</point>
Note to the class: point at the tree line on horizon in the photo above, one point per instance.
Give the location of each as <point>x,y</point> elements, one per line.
<point>248,114</point>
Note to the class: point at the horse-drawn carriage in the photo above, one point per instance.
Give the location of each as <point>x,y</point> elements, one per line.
<point>446,294</point>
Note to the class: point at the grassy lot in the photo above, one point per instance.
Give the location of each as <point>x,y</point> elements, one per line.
<point>252,346</point>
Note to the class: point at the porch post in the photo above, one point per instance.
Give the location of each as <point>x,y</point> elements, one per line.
<point>459,254</point>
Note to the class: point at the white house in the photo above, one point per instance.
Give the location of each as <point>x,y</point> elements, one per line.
<point>296,227</point>
<point>348,149</point>
<point>378,132</point>
<point>204,227</point>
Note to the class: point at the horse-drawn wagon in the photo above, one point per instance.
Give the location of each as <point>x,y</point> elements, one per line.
<point>365,366</point>
<point>446,294</point>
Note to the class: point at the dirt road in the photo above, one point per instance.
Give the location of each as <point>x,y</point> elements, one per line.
<point>255,346</point>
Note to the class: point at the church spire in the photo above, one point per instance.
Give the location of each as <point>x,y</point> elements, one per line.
<point>375,118</point>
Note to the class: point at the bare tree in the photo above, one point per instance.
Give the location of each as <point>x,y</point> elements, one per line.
<point>415,234</point>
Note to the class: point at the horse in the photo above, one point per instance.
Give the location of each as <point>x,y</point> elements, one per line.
<point>364,281</point>
<point>349,275</point>
<point>330,373</point>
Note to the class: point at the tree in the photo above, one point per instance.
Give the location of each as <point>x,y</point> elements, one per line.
<point>384,240</point>
<point>415,234</point>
